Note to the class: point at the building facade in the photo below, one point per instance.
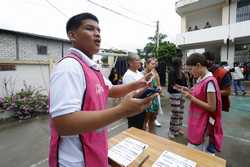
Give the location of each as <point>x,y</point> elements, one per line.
<point>27,59</point>
<point>218,26</point>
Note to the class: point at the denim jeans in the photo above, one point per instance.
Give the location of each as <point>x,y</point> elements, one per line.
<point>238,84</point>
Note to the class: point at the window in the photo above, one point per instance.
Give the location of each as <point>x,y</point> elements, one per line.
<point>242,52</point>
<point>41,50</point>
<point>243,10</point>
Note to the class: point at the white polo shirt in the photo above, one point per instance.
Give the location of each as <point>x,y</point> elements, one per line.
<point>67,86</point>
<point>131,76</point>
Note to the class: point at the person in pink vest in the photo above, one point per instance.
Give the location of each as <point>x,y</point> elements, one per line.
<point>205,107</point>
<point>78,98</point>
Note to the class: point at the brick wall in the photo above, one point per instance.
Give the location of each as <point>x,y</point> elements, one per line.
<point>28,47</point>
<point>7,46</point>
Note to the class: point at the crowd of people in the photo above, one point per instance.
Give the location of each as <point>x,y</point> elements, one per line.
<point>79,93</point>
<point>205,84</point>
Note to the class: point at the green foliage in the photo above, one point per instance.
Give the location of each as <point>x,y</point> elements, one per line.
<point>166,49</point>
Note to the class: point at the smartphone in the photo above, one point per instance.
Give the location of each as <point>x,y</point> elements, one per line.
<point>148,92</point>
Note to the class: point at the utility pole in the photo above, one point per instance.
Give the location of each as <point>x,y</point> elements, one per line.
<point>157,38</point>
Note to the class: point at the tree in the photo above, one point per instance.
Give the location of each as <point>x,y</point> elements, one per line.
<point>166,52</point>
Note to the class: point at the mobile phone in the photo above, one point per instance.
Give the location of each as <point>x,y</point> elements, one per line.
<point>148,92</point>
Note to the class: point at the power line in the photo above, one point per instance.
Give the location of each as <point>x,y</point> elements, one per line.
<point>129,10</point>
<point>120,14</point>
<point>62,13</point>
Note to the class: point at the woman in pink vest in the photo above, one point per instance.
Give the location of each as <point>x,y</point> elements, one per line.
<point>78,98</point>
<point>205,107</point>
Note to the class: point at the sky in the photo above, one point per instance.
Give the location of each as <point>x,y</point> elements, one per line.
<point>40,17</point>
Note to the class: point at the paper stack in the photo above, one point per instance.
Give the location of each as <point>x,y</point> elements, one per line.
<point>125,152</point>
<point>169,159</point>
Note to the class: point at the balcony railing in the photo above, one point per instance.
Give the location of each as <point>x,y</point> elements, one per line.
<point>212,34</point>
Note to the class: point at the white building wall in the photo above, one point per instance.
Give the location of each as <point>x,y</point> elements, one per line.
<point>233,9</point>
<point>35,75</point>
<point>200,17</point>
<point>66,46</point>
<point>183,24</point>
<point>225,14</point>
<point>240,30</point>
<point>231,53</point>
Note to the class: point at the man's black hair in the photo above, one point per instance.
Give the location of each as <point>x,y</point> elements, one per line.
<point>209,56</point>
<point>196,58</point>
<point>75,21</point>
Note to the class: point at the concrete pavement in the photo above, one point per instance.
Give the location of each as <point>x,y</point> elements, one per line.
<point>25,144</point>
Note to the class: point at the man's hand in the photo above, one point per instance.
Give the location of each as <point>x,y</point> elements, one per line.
<point>145,81</point>
<point>132,106</point>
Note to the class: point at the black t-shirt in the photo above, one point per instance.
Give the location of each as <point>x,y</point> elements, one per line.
<point>174,79</point>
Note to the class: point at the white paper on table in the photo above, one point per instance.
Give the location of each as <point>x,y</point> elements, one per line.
<point>125,152</point>
<point>169,159</point>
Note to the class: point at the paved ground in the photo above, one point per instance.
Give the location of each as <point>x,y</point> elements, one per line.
<point>236,124</point>
<point>25,144</point>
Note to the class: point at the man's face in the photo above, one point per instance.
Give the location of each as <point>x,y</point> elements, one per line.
<point>136,63</point>
<point>87,37</point>
<point>209,63</point>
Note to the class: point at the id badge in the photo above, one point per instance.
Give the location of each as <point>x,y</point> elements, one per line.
<point>211,120</point>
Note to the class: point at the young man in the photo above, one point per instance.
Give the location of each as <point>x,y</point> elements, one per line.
<point>223,78</point>
<point>78,97</point>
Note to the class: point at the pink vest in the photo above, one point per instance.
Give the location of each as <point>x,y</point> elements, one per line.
<point>198,120</point>
<point>94,143</point>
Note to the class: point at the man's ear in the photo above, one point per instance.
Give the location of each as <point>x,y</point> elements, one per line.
<point>72,36</point>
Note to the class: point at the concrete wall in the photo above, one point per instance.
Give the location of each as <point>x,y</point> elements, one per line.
<point>27,47</point>
<point>213,15</point>
<point>35,75</point>
<point>66,46</point>
<point>240,30</point>
<point>7,46</point>
<point>181,3</point>
<point>183,24</point>
<point>233,9</point>
<point>231,53</point>
<point>192,38</point>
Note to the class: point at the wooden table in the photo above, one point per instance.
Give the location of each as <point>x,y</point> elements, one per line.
<point>159,144</point>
